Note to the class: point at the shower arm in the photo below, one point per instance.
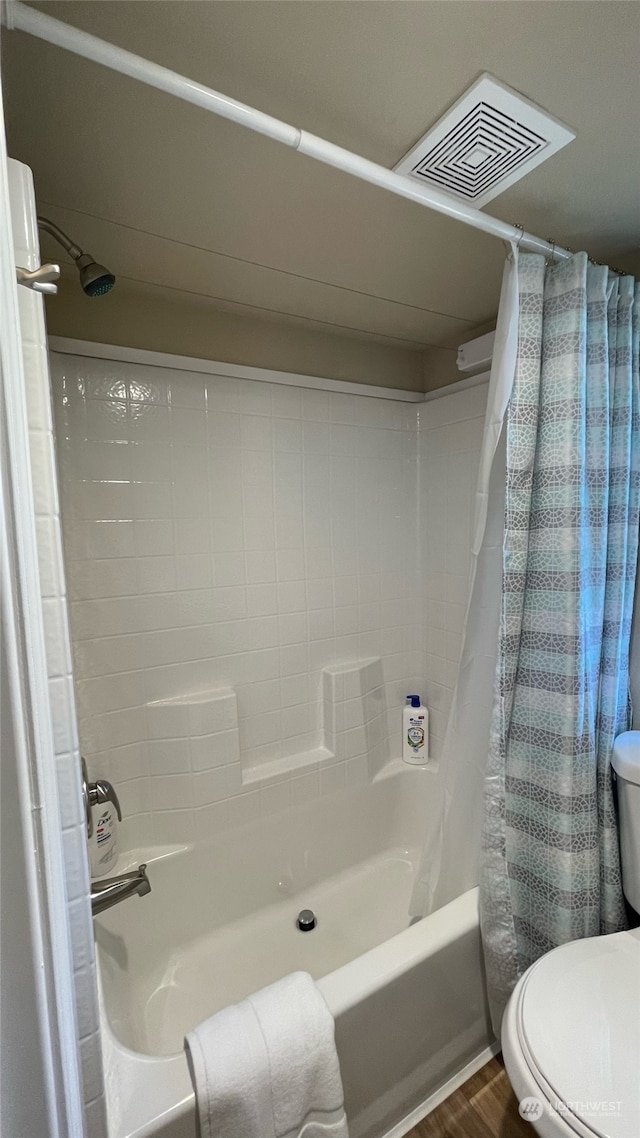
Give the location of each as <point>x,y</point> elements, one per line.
<point>39,24</point>
<point>72,249</point>
<point>95,279</point>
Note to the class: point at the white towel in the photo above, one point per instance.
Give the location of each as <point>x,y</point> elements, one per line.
<point>268,1067</point>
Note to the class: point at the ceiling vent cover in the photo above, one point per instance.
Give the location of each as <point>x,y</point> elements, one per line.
<point>487,141</point>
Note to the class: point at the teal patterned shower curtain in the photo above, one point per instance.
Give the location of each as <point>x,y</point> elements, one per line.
<point>550,861</point>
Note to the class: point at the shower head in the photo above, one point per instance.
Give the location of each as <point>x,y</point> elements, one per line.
<point>94,278</point>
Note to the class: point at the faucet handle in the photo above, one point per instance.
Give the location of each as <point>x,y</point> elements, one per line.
<point>85,797</point>
<point>94,794</point>
<point>102,791</point>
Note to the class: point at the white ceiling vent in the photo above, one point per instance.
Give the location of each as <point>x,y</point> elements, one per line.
<point>487,141</point>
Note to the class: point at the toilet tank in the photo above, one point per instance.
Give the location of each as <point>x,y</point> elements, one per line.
<point>625,761</point>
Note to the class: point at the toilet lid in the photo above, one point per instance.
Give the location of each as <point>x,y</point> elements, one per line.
<point>579,1026</point>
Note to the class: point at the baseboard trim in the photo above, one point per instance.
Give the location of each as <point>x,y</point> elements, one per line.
<point>415,1116</point>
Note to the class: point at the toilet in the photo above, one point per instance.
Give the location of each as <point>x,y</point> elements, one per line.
<point>571,1030</point>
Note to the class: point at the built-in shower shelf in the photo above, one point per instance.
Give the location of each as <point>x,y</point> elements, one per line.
<point>277,769</point>
<point>203,729</point>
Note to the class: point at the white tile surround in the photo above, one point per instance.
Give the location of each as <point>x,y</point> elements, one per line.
<point>227,541</point>
<point>58,652</point>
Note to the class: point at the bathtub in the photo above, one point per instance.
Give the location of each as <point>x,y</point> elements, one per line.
<point>408,1000</point>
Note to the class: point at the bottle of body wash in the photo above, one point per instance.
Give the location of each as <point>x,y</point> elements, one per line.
<point>415,732</point>
<point>103,843</point>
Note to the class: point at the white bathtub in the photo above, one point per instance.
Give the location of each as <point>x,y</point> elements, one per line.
<point>408,1002</point>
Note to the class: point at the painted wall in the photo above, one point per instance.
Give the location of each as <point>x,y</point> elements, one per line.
<point>167,320</point>
<point>244,575</point>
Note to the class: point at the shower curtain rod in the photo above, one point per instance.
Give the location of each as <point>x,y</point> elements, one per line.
<point>44,27</point>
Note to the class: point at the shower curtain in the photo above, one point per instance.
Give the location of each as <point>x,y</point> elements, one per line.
<point>550,867</point>
<point>451,851</point>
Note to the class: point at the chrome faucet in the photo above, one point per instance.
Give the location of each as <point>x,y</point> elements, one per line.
<point>109,890</point>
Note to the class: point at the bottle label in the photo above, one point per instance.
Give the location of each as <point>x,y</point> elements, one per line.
<point>104,827</point>
<point>415,735</point>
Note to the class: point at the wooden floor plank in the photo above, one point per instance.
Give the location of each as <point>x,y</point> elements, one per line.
<point>497,1105</point>
<point>454,1118</point>
<point>491,1070</point>
<point>484,1107</point>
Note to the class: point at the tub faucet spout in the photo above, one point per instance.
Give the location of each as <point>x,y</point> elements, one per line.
<point>111,890</point>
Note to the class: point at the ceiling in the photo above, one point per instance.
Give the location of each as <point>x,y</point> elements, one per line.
<point>171,196</point>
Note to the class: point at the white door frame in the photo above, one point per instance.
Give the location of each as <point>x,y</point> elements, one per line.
<point>30,743</point>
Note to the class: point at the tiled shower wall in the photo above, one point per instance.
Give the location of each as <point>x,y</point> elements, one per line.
<point>449,447</point>
<point>228,542</point>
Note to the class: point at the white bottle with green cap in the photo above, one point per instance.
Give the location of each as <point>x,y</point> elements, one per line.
<point>415,732</point>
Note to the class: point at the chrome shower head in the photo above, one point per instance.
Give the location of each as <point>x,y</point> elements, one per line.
<point>94,278</point>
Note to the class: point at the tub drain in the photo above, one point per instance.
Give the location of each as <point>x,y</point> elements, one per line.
<point>306,920</point>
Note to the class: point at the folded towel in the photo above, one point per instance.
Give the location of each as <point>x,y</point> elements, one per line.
<point>268,1067</point>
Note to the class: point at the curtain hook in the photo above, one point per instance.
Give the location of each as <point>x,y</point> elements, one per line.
<point>551,260</point>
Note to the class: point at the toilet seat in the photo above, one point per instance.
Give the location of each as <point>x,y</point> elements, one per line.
<point>571,1038</point>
